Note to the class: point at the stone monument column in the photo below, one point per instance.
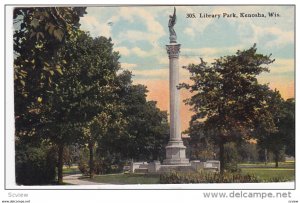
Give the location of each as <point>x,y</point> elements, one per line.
<point>173,52</point>
<point>175,150</point>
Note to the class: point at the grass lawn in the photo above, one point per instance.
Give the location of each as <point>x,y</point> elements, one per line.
<point>286,170</point>
<point>126,178</point>
<point>288,164</point>
<point>266,173</point>
<point>70,170</point>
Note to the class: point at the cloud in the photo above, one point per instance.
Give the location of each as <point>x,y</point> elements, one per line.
<point>138,13</point>
<point>267,31</point>
<point>154,29</point>
<point>159,73</point>
<point>136,51</point>
<point>163,60</point>
<point>189,31</point>
<point>95,27</point>
<point>133,36</point>
<point>155,73</point>
<point>139,52</point>
<point>193,26</point>
<point>128,66</point>
<point>282,65</point>
<point>268,36</point>
<point>281,37</point>
<point>208,53</point>
<point>97,19</point>
<point>124,51</point>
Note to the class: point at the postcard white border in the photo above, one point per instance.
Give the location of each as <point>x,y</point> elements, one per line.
<point>44,195</point>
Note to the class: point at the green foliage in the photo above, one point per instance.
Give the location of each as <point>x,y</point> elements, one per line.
<point>35,165</point>
<point>227,99</point>
<point>83,167</point>
<point>231,157</point>
<point>208,177</point>
<point>85,89</point>
<point>270,174</point>
<point>39,35</point>
<point>71,155</point>
<point>106,165</point>
<point>144,128</point>
<point>67,91</point>
<point>102,163</point>
<point>201,147</point>
<point>84,95</point>
<point>83,162</point>
<point>283,112</point>
<point>71,170</point>
<point>54,21</point>
<point>248,152</point>
<point>287,126</point>
<point>205,177</point>
<point>129,128</point>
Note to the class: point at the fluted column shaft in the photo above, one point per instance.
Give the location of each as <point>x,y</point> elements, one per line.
<point>173,51</point>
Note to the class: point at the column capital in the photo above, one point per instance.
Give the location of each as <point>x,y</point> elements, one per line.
<point>173,50</point>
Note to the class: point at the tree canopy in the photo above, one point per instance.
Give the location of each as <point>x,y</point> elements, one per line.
<point>227,98</point>
<point>69,90</point>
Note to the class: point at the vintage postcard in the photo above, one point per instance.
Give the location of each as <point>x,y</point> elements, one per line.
<point>151,97</point>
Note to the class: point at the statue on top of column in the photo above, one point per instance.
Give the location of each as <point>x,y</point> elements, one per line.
<point>172,22</point>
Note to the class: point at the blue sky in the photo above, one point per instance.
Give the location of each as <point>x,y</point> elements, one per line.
<point>140,34</point>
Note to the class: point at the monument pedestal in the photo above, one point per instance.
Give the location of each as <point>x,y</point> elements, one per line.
<point>175,153</point>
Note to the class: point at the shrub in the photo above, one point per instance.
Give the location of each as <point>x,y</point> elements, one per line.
<point>231,158</point>
<point>232,167</point>
<point>204,177</point>
<point>276,179</point>
<point>83,167</point>
<point>35,165</point>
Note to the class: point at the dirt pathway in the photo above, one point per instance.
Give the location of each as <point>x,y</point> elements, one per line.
<point>75,180</point>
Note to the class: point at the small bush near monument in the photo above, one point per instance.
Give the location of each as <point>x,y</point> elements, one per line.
<point>205,177</point>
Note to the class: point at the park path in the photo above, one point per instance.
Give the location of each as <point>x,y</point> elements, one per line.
<point>75,180</point>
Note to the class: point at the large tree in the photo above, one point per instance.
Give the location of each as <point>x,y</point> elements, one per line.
<point>109,124</point>
<point>288,126</point>
<point>84,91</point>
<point>144,131</point>
<point>147,130</point>
<point>64,86</point>
<point>227,98</point>
<point>40,34</point>
<point>283,138</point>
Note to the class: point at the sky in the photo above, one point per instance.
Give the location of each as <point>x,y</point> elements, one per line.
<point>140,34</point>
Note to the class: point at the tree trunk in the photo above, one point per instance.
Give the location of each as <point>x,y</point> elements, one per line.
<point>60,163</point>
<point>276,159</point>
<point>221,156</point>
<point>266,156</point>
<point>91,162</point>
